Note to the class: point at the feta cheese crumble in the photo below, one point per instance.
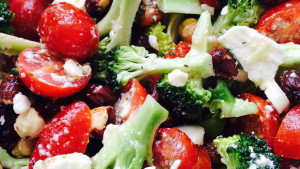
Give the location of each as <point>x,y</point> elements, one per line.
<point>153,42</point>
<point>21,103</point>
<point>194,132</point>
<point>177,78</point>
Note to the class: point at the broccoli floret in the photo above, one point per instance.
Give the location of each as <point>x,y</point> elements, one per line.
<point>6,18</point>
<point>11,45</point>
<point>223,100</point>
<point>118,22</point>
<point>190,98</point>
<point>239,13</point>
<point>10,162</point>
<point>243,152</point>
<point>127,145</point>
<point>128,62</point>
<point>164,41</point>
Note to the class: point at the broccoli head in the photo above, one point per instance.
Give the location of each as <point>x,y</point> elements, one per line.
<point>239,13</point>
<point>190,98</point>
<point>126,146</point>
<point>243,152</point>
<point>164,41</point>
<point>6,18</point>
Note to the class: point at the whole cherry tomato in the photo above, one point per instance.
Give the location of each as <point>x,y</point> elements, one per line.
<point>68,31</point>
<point>27,15</point>
<point>47,75</point>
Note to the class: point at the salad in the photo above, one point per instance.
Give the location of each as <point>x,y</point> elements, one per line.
<point>156,84</point>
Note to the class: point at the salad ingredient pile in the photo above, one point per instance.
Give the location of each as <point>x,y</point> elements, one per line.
<point>154,84</point>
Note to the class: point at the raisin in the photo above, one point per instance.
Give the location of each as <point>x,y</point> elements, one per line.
<point>290,84</point>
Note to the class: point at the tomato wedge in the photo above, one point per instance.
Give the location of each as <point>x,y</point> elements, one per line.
<point>68,132</point>
<point>179,51</point>
<point>47,75</point>
<point>264,123</point>
<point>173,146</point>
<point>132,97</point>
<point>281,23</point>
<point>203,159</point>
<point>287,141</point>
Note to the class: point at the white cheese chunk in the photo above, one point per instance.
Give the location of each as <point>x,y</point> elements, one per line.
<point>177,78</point>
<point>77,3</point>
<point>153,42</point>
<point>194,132</point>
<point>21,103</point>
<point>75,69</point>
<point>67,161</point>
<point>260,57</point>
<point>176,164</point>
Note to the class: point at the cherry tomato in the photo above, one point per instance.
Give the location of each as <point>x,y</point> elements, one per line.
<point>179,51</point>
<point>171,144</point>
<point>287,141</point>
<point>68,31</point>
<point>27,15</point>
<point>213,3</point>
<point>281,23</point>
<point>203,159</point>
<point>264,123</point>
<point>132,97</point>
<point>44,74</point>
<point>68,132</point>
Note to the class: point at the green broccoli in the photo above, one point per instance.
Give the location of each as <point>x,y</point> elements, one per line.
<point>128,62</point>
<point>223,100</point>
<point>242,152</point>
<point>239,13</point>
<point>12,45</point>
<point>6,18</point>
<point>190,98</point>
<point>10,162</point>
<point>118,22</point>
<point>293,58</point>
<point>127,145</point>
<point>180,6</point>
<point>164,41</point>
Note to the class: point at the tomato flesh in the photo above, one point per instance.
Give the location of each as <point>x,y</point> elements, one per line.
<point>179,51</point>
<point>287,141</point>
<point>68,31</point>
<point>281,23</point>
<point>68,132</point>
<point>44,74</point>
<point>265,123</point>
<point>203,159</point>
<point>171,144</point>
<point>27,15</point>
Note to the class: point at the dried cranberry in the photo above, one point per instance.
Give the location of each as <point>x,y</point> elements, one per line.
<point>99,95</point>
<point>290,83</point>
<point>9,88</point>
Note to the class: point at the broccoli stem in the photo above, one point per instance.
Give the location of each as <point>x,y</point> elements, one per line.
<point>10,162</point>
<point>11,45</point>
<point>180,6</point>
<point>293,58</point>
<point>119,19</point>
<point>126,145</point>
<point>175,20</point>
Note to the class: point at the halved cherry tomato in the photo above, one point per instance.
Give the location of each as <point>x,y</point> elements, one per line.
<point>171,144</point>
<point>179,51</point>
<point>132,97</point>
<point>264,123</point>
<point>68,31</point>
<point>44,74</point>
<point>68,132</point>
<point>213,3</point>
<point>27,15</point>
<point>287,141</point>
<point>281,23</point>
<point>203,159</point>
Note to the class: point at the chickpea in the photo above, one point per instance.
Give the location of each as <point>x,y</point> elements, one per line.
<point>24,148</point>
<point>186,29</point>
<point>29,125</point>
<point>100,117</point>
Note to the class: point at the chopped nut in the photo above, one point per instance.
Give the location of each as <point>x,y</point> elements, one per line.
<point>24,148</point>
<point>186,29</point>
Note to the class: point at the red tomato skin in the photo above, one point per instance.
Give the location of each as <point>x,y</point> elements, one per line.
<point>171,144</point>
<point>287,141</point>
<point>281,23</point>
<point>68,132</point>
<point>36,75</point>
<point>203,159</point>
<point>137,97</point>
<point>269,119</point>
<point>68,31</point>
<point>179,51</point>
<point>27,15</point>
